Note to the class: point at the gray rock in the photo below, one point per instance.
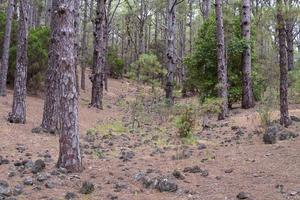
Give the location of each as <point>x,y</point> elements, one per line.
<point>202,146</point>
<point>286,135</point>
<point>4,189</point>
<point>127,155</point>
<point>295,119</point>
<point>177,174</point>
<point>38,166</point>
<point>270,136</point>
<point>87,188</point>
<point>28,181</point>
<point>18,190</point>
<point>243,195</point>
<point>166,185</point>
<point>41,177</point>
<point>49,184</point>
<point>70,196</point>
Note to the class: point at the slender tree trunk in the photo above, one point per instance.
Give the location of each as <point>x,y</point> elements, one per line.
<point>50,114</point>
<point>222,68</point>
<point>6,44</point>
<point>48,12</point>
<point>105,50</point>
<point>205,8</point>
<point>191,25</point>
<point>290,44</point>
<point>84,52</point>
<point>18,114</point>
<point>99,57</point>
<point>69,152</point>
<point>170,49</point>
<point>247,98</point>
<point>284,111</point>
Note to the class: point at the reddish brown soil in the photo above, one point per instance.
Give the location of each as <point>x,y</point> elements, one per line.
<point>257,168</point>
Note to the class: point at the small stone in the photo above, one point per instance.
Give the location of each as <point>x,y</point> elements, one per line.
<point>18,190</point>
<point>28,181</point>
<point>4,189</point>
<point>87,188</point>
<point>178,175</point>
<point>228,171</point>
<point>11,174</point>
<point>165,185</point>
<point>295,119</point>
<point>41,177</point>
<point>287,135</point>
<point>126,155</point>
<point>202,146</point>
<point>294,193</point>
<point>49,184</point>
<point>243,195</point>
<point>38,166</point>
<point>70,196</point>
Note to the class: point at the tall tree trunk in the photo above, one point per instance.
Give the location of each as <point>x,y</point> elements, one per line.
<point>191,25</point>
<point>247,98</point>
<point>284,111</point>
<point>105,51</point>
<point>99,57</point>
<point>205,8</point>
<point>290,35</point>
<point>48,12</point>
<point>84,52</point>
<point>69,152</point>
<point>77,41</point>
<point>50,113</point>
<point>222,68</point>
<point>18,114</point>
<point>170,49</point>
<point>6,44</point>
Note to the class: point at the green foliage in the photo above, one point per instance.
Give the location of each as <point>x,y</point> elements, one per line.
<point>202,65</point>
<point>186,122</point>
<point>211,106</point>
<point>38,43</point>
<point>116,65</point>
<point>150,68</point>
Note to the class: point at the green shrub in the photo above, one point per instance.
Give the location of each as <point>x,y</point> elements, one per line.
<point>116,65</point>
<point>186,122</point>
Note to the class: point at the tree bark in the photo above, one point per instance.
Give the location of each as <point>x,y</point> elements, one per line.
<point>99,57</point>
<point>50,113</point>
<point>69,152</point>
<point>18,114</point>
<point>84,52</point>
<point>247,97</point>
<point>170,49</point>
<point>284,111</point>
<point>205,8</point>
<point>48,12</point>
<point>6,45</point>
<point>222,68</point>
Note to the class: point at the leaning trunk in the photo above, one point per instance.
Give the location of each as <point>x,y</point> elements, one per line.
<point>18,114</point>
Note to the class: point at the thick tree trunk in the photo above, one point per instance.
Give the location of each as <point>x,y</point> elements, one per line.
<point>69,152</point>
<point>290,36</point>
<point>170,49</point>
<point>222,68</point>
<point>284,111</point>
<point>84,53</point>
<point>99,57</point>
<point>77,40</point>
<point>247,97</point>
<point>18,114</point>
<point>6,44</point>
<point>50,114</point>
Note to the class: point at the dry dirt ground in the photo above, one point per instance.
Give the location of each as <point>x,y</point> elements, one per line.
<point>234,164</point>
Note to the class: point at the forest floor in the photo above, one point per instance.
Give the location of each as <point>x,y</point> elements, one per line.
<point>126,162</point>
